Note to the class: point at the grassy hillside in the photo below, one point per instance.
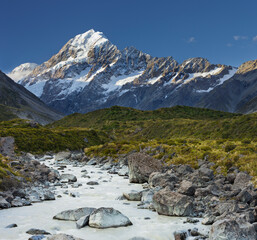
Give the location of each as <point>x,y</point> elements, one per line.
<point>122,114</point>
<point>176,135</point>
<point>38,139</point>
<point>179,121</point>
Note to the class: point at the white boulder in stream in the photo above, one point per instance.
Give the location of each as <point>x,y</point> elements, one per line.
<point>74,215</point>
<point>68,177</point>
<point>108,218</point>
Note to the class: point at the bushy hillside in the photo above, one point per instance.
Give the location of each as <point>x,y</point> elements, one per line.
<point>101,117</point>
<point>31,137</point>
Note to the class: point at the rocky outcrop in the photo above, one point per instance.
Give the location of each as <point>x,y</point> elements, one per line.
<point>141,166</point>
<point>108,218</point>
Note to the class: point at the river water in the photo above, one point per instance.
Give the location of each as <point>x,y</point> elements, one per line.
<point>40,215</point>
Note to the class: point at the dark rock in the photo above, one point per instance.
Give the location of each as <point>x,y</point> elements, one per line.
<point>141,166</point>
<point>13,225</point>
<point>92,183</point>
<point>35,231</point>
<point>245,196</point>
<point>187,188</point>
<point>161,179</point>
<point>180,235</point>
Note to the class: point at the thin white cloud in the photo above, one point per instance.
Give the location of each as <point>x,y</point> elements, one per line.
<point>238,37</point>
<point>255,38</point>
<point>191,40</point>
<point>229,45</point>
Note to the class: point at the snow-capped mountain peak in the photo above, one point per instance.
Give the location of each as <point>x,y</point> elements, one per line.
<point>22,71</point>
<point>89,72</point>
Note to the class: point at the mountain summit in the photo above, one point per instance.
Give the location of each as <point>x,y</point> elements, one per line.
<point>90,73</point>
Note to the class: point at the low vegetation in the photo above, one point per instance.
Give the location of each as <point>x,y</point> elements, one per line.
<point>178,135</point>
<point>39,139</point>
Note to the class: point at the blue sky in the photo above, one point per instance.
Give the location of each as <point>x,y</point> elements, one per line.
<point>223,31</point>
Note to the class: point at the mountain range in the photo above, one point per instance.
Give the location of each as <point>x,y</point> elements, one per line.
<point>90,73</point>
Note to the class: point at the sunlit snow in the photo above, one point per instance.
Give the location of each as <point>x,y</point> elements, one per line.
<point>117,82</point>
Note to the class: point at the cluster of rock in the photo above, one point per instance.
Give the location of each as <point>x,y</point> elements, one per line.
<point>228,203</point>
<point>33,184</point>
<point>96,218</point>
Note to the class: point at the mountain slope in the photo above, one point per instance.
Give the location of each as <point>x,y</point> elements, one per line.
<point>16,101</point>
<point>91,73</point>
<point>238,94</point>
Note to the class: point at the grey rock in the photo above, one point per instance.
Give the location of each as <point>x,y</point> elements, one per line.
<point>48,195</point>
<point>4,203</point>
<point>35,231</point>
<point>62,156</point>
<point>231,229</point>
<point>108,218</point>
<point>37,237</point>
<point>68,177</point>
<point>171,203</point>
<point>83,221</point>
<point>208,220</point>
<point>133,195</point>
<point>204,171</point>
<point>180,235</point>
<point>124,171</point>
<point>242,180</point>
<point>62,236</point>
<point>73,215</point>
<point>187,188</point>
<point>161,179</point>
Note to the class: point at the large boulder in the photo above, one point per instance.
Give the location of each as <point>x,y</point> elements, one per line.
<point>171,203</point>
<point>108,218</point>
<point>68,177</point>
<point>232,229</point>
<point>133,195</point>
<point>62,236</point>
<point>141,166</point>
<point>60,156</point>
<point>74,215</point>
<point>4,203</point>
<point>162,179</point>
<point>241,181</point>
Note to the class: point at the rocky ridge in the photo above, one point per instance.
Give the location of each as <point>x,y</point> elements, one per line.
<point>90,73</point>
